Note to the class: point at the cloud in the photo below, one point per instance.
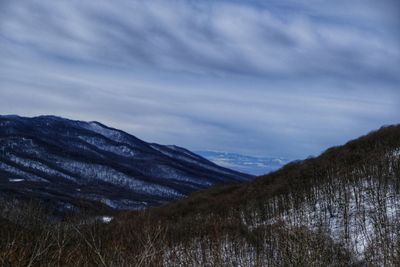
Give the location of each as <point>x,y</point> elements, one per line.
<point>286,78</point>
<point>210,37</point>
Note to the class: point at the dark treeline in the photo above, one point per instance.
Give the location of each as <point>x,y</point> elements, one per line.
<point>339,209</point>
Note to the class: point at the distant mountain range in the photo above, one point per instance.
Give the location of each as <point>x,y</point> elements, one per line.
<point>71,164</point>
<point>243,163</point>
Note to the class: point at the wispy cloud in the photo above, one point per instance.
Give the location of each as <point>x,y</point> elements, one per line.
<point>286,78</point>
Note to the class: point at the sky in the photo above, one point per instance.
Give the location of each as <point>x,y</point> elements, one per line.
<point>279,78</point>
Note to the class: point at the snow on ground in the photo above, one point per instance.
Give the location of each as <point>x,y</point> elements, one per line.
<point>36,165</point>
<point>18,172</point>
<point>15,180</point>
<point>102,144</point>
<point>351,216</point>
<point>106,219</point>
<point>110,175</point>
<point>109,133</point>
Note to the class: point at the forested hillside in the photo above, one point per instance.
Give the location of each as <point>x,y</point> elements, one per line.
<point>73,164</point>
<point>339,209</point>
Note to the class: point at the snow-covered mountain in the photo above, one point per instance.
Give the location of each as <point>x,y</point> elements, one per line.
<point>243,163</point>
<point>75,163</point>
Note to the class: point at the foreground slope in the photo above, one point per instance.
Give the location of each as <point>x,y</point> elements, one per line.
<point>341,208</point>
<point>75,163</point>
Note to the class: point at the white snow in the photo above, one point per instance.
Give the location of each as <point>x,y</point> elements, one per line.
<point>109,133</point>
<point>20,173</point>
<point>362,217</point>
<point>106,219</point>
<point>15,180</point>
<point>36,165</point>
<point>102,144</point>
<point>110,175</point>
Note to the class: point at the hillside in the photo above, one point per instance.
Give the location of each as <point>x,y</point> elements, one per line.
<point>339,209</point>
<point>370,156</point>
<point>73,164</point>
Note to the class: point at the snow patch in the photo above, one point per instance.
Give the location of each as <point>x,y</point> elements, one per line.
<point>106,219</point>
<point>16,180</point>
<point>102,144</point>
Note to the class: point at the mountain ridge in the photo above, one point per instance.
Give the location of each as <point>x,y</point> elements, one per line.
<point>67,159</point>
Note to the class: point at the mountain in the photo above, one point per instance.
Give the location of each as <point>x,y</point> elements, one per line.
<point>341,208</point>
<point>74,163</point>
<point>243,163</point>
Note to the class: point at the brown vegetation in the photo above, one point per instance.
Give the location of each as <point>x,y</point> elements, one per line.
<point>340,209</point>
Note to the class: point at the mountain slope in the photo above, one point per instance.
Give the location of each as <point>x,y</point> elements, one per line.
<point>374,155</point>
<point>74,163</point>
<point>339,209</point>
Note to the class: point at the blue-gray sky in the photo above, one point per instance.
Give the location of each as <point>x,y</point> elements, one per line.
<point>274,78</point>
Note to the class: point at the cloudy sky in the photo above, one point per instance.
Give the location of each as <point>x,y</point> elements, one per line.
<point>274,78</point>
